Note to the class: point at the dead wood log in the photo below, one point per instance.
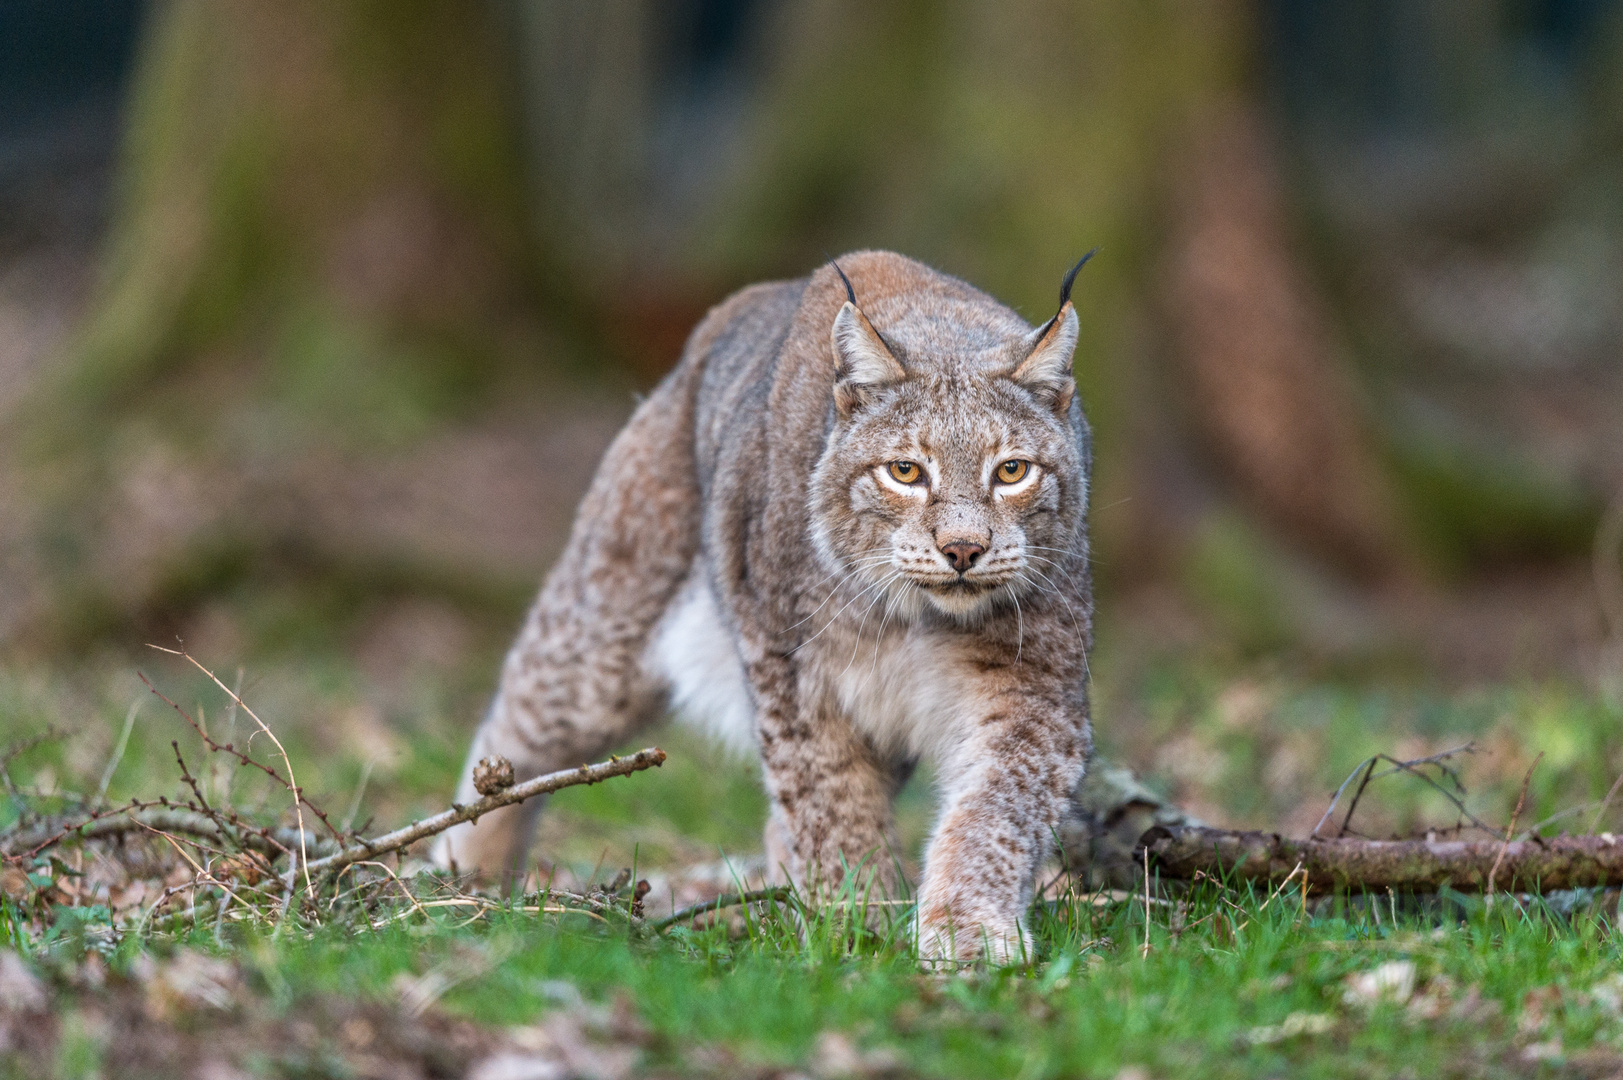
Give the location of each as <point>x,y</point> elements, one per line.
<point>1533,865</point>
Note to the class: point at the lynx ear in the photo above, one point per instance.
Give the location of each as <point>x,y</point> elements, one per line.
<point>1046,370</point>
<point>865,361</point>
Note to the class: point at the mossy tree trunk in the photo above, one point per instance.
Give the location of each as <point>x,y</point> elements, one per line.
<point>320,249</point>
<point>295,167</point>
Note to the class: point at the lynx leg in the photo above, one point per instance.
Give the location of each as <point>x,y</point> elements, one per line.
<point>1002,797</point>
<point>831,793</point>
<point>575,682</point>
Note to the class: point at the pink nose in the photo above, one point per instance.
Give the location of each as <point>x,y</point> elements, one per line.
<point>962,553</point>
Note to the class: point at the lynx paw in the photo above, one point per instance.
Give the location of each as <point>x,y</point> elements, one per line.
<point>944,946</point>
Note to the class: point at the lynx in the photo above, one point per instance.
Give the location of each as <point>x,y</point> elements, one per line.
<point>848,533</point>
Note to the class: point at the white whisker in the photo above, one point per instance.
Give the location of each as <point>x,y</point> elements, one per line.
<point>880,639</point>
<point>832,618</point>
<point>1076,624</point>
<point>1019,624</point>
<point>1054,564</point>
<point>856,567</point>
<point>858,644</point>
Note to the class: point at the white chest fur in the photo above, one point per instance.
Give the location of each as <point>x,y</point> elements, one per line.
<point>694,653</point>
<point>904,690</point>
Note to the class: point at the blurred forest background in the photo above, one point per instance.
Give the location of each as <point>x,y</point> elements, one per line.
<point>316,315</point>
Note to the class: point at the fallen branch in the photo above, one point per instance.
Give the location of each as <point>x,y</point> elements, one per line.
<point>432,826</point>
<point>780,893</point>
<point>1564,862</point>
<point>133,819</point>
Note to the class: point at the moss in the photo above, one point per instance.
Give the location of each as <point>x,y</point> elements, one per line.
<point>1472,507</point>
<point>238,180</point>
<point>1230,569</point>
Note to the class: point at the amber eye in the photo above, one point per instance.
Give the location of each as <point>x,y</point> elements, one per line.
<point>905,472</point>
<point>1012,472</point>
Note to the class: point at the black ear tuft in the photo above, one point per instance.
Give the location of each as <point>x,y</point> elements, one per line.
<point>851,294</point>
<point>1064,286</point>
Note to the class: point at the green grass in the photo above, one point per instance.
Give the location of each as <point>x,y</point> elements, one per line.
<point>1217,1001</point>
<point>1244,990</point>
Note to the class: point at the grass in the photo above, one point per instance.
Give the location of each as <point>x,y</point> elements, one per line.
<point>1233,983</point>
<point>1250,988</point>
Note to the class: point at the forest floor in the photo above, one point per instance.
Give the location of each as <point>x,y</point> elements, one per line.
<point>106,972</point>
<point>114,975</point>
<point>1248,988</point>
<point>123,959</point>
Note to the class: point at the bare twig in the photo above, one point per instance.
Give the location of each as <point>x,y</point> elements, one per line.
<point>1511,832</point>
<point>1413,768</point>
<point>1600,811</point>
<point>1297,869</point>
<point>1369,771</point>
<point>432,826</point>
<point>182,852</point>
<point>244,759</point>
<point>1146,954</point>
<point>190,781</point>
<point>1410,767</point>
<point>416,906</point>
<point>1336,798</point>
<point>137,816</point>
<point>287,763</point>
<point>779,893</point>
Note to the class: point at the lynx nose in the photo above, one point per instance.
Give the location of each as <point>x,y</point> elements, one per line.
<point>962,553</point>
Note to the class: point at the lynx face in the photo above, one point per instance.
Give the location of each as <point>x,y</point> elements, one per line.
<point>952,478</point>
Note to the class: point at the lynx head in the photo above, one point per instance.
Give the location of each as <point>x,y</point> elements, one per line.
<point>954,475</point>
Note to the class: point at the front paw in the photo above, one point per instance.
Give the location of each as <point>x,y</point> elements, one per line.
<point>948,945</point>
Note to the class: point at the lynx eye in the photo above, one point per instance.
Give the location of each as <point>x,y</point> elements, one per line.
<point>1012,472</point>
<point>905,472</point>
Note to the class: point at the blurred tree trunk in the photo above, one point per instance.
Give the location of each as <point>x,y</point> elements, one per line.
<point>1262,378</point>
<point>320,250</point>
<point>996,142</point>
<point>297,162</point>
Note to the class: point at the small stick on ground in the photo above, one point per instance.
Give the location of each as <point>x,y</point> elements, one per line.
<point>1600,811</point>
<point>1297,869</point>
<point>1146,954</point>
<point>1413,769</point>
<point>779,893</point>
<point>1367,763</point>
<point>432,826</point>
<point>1510,833</point>
<point>292,782</point>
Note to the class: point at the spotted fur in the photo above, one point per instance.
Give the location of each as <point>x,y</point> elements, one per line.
<point>747,553</point>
